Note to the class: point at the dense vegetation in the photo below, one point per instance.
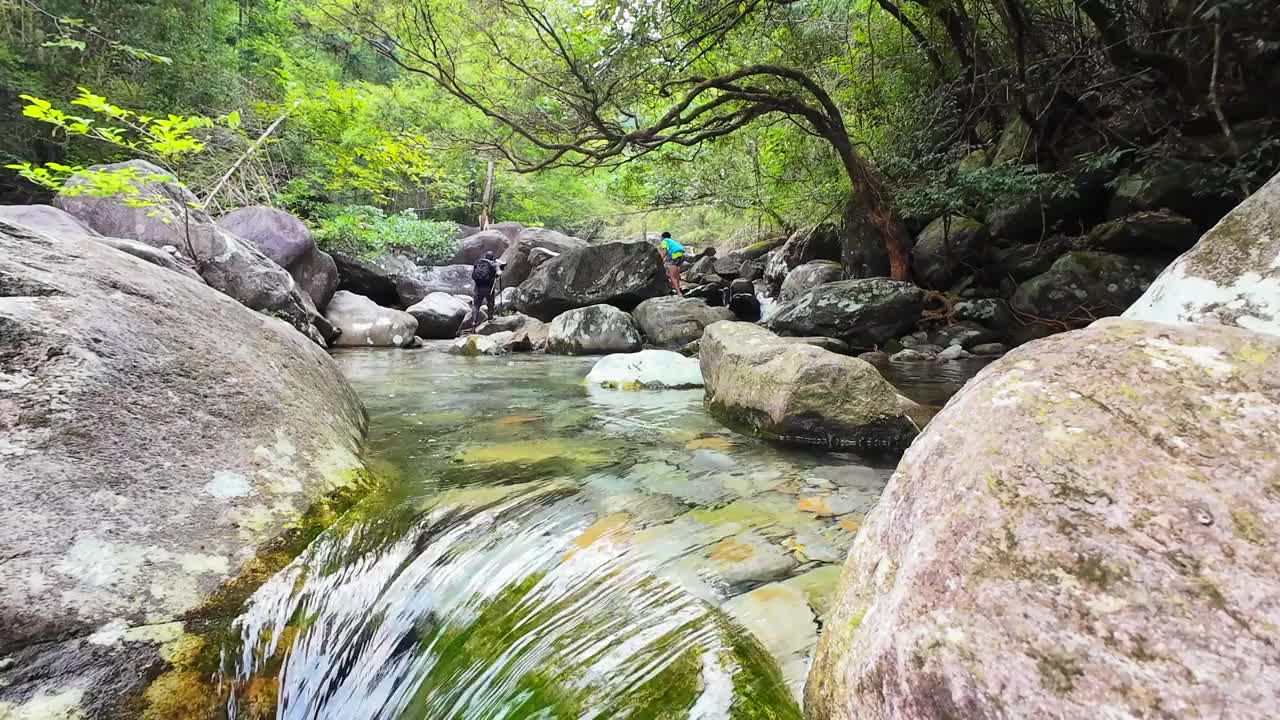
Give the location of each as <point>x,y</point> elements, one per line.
<point>725,120</point>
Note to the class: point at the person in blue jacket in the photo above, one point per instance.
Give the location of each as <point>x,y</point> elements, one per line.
<point>672,259</point>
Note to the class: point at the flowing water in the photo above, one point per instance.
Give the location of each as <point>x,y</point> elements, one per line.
<point>546,550</point>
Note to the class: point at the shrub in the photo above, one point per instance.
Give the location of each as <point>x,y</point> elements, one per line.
<point>366,231</point>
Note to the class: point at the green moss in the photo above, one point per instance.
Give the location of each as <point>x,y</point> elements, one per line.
<point>1248,526</point>
<point>1093,569</point>
<point>1058,671</point>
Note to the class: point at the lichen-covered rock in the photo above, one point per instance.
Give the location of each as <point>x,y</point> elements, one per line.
<point>519,258</point>
<point>227,262</point>
<point>990,312</point>
<point>1087,530</point>
<point>761,384</point>
<point>154,436</point>
<point>674,321</point>
<point>593,330</point>
<point>364,323</point>
<point>646,370</point>
<point>439,315</point>
<point>618,274</point>
<point>1085,285</point>
<point>287,242</point>
<point>414,285</point>
<point>945,247</point>
<point>1231,277</point>
<point>809,276</point>
<point>804,246</point>
<point>863,313</point>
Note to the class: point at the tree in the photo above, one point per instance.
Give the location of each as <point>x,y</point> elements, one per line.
<point>599,85</point>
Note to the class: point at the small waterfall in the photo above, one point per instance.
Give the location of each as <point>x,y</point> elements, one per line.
<point>493,603</point>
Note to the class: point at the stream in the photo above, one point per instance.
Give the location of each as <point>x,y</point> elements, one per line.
<point>547,550</point>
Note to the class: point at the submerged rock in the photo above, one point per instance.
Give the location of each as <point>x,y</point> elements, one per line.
<point>1231,277</point>
<point>364,323</point>
<point>647,369</point>
<point>674,321</point>
<point>863,313</point>
<point>593,330</point>
<point>761,384</point>
<point>155,435</point>
<point>1083,532</point>
<point>618,274</point>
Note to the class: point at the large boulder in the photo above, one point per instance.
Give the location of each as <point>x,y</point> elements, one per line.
<point>1082,286</point>
<point>439,315</point>
<point>619,274</point>
<point>1023,262</point>
<point>520,256</point>
<point>863,313</point>
<point>1158,232</point>
<point>164,213</point>
<point>373,277</point>
<point>646,370</point>
<point>593,330</point>
<point>414,285</point>
<point>157,436</point>
<point>809,276</point>
<point>1231,277</point>
<point>730,266</point>
<point>1167,185</point>
<point>1087,530</point>
<point>766,386</point>
<point>674,321</point>
<point>945,248</point>
<point>283,238</point>
<point>473,248</point>
<point>49,220</point>
<point>364,323</point>
<point>804,246</point>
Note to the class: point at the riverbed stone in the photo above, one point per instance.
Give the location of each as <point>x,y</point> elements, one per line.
<point>1230,277</point>
<point>439,315</point>
<point>155,434</point>
<point>780,617</point>
<point>413,285</point>
<point>863,313</point>
<point>989,349</point>
<point>618,274</point>
<point>228,263</point>
<point>364,323</point>
<point>761,385</point>
<point>523,254</point>
<point>646,370</point>
<point>808,276</point>
<point>476,345</point>
<point>674,321</point>
<point>965,333</point>
<point>593,330</point>
<point>1053,547</point>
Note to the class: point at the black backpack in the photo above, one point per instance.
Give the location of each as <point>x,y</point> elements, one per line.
<point>482,272</point>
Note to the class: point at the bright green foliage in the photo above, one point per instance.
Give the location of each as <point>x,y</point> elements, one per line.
<point>366,231</point>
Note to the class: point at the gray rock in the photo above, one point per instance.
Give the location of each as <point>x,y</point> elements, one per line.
<point>146,253</point>
<point>156,436</point>
<point>507,323</point>
<point>804,246</point>
<point>729,266</point>
<point>364,323</point>
<point>945,247</point>
<point>989,349</point>
<point>439,315</point>
<point>1231,277</point>
<point>909,355</point>
<point>618,274</point>
<point>808,276</point>
<point>674,321</point>
<point>1082,286</point>
<point>227,262</point>
<point>412,286</point>
<point>758,384</point>
<point>476,345</point>
<point>1079,575</point>
<point>509,228</point>
<point>594,330</point>
<point>990,312</point>
<point>538,255</point>
<point>701,268</point>
<point>965,333</point>
<point>506,300</point>
<point>1165,185</point>
<point>839,347</point>
<point>1022,262</point>
<point>519,257</point>
<point>952,352</point>
<point>874,357</point>
<point>473,248</point>
<point>863,313</point>
<point>287,242</point>
<point>374,278</point>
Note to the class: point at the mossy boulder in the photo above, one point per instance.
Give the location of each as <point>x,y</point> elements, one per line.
<point>768,386</point>
<point>1230,277</point>
<point>158,438</point>
<point>945,248</point>
<point>1082,286</point>
<point>1087,530</point>
<point>1157,232</point>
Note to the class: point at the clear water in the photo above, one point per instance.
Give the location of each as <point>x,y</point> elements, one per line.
<point>545,550</point>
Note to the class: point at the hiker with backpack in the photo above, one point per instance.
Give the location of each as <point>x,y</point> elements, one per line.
<point>672,258</point>
<point>485,274</point>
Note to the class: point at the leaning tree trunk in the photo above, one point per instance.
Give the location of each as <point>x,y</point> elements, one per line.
<point>868,195</point>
